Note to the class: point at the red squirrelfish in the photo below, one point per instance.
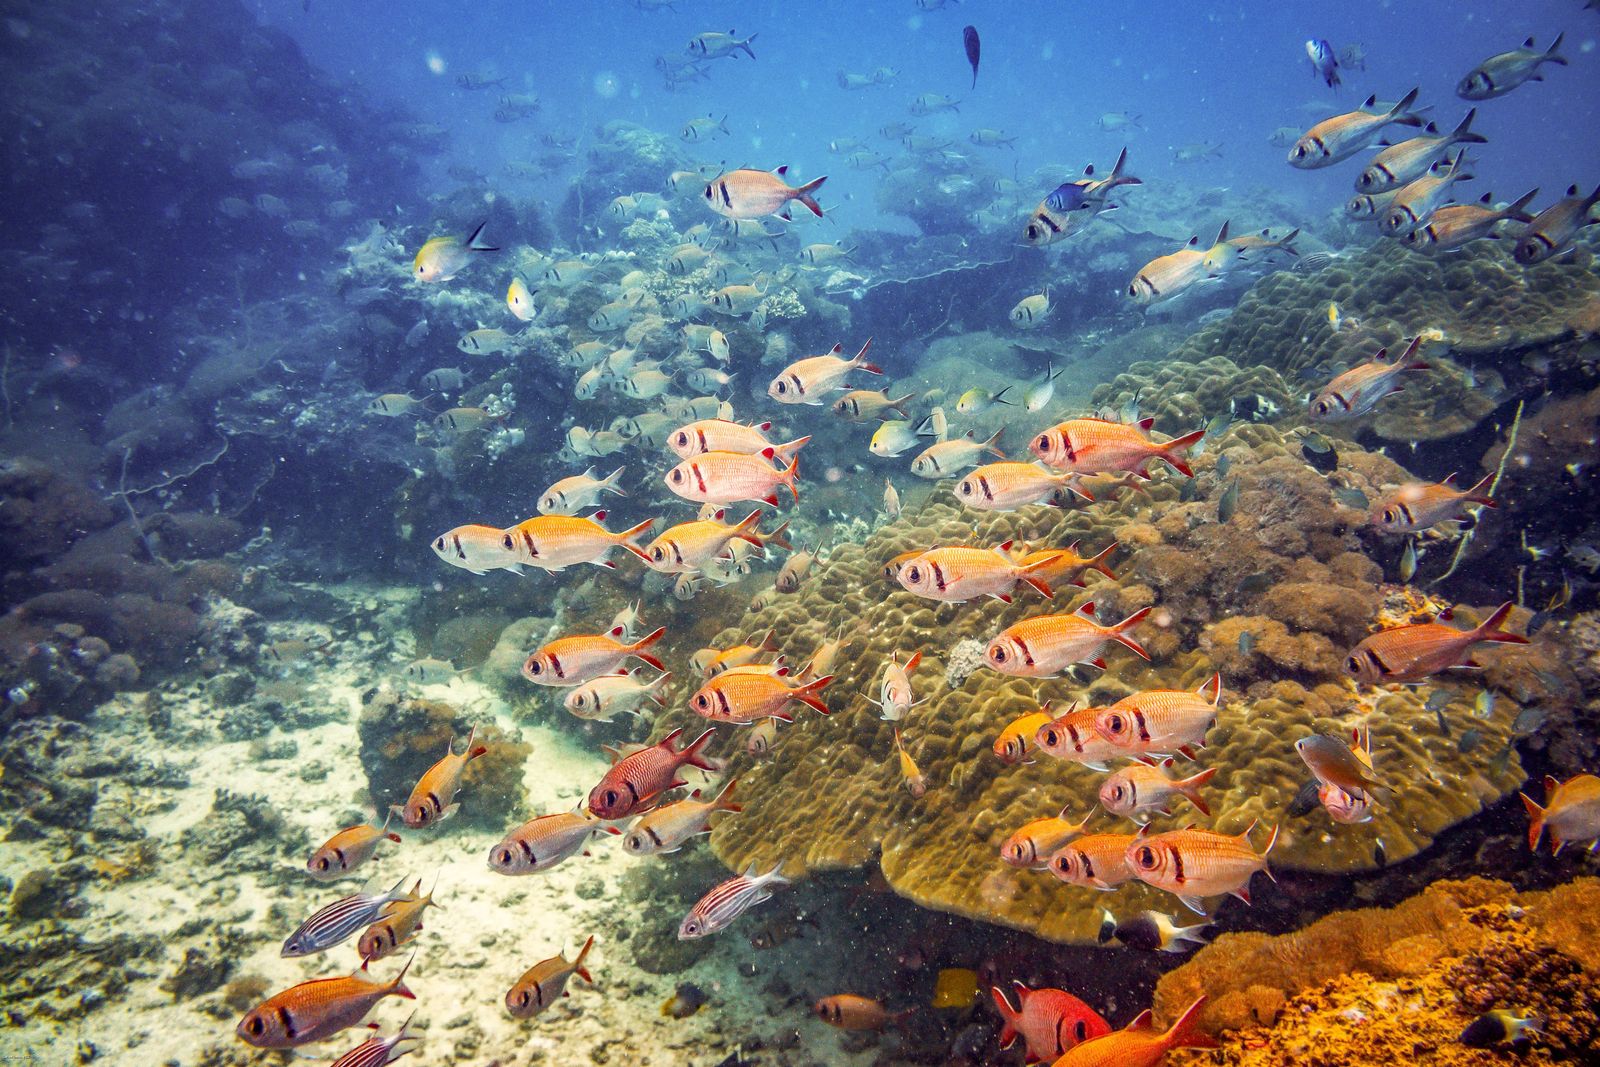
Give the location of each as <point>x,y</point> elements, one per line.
<point>1032,844</point>
<point>1010,484</point>
<point>958,573</point>
<point>433,798</point>
<point>729,477</point>
<point>312,1011</point>
<point>847,1011</point>
<point>545,841</point>
<point>1049,1021</point>
<point>348,849</point>
<point>1139,789</point>
<point>1063,566</point>
<point>476,548</point>
<point>720,435</point>
<point>666,828</point>
<point>1094,861</point>
<point>1162,721</point>
<point>546,982</point>
<point>1193,864</point>
<point>555,542</point>
<point>1138,1044</point>
<point>741,696</point>
<point>634,782</point>
<point>584,657</point>
<point>729,900</point>
<point>1075,736</point>
<point>1099,446</point>
<point>1403,654</point>
<point>1358,390</point>
<point>1018,735</point>
<point>1046,645</point>
<point>810,380</point>
<point>1417,506</point>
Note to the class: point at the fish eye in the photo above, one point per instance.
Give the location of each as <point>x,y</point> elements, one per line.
<point>657,554</point>
<point>439,544</point>
<point>502,856</point>
<point>255,1025</point>
<point>701,701</point>
<point>1117,793</point>
<point>1043,443</point>
<point>535,667</point>
<point>682,439</point>
<point>913,575</point>
<point>1080,1030</point>
<point>677,476</point>
<point>782,387</point>
<point>610,797</point>
<point>506,540</point>
<point>1145,857</point>
<point>1133,290</point>
<point>1352,665</point>
<point>321,863</point>
<point>966,488</point>
<point>1051,738</point>
<point>421,816</point>
<point>1115,724</point>
<point>998,655</point>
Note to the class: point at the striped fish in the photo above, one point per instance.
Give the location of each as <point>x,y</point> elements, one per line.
<point>377,1051</point>
<point>727,901</point>
<point>339,921</point>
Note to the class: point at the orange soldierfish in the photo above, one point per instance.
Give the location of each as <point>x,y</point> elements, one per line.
<point>1166,276</point>
<point>1074,736</point>
<point>850,1012</point>
<point>545,841</point>
<point>1099,446</point>
<point>1162,721</point>
<point>1063,566</point>
<point>752,194</point>
<point>891,570</point>
<point>691,546</point>
<point>1193,864</point>
<point>1138,1044</point>
<point>729,477</point>
<point>1049,1021</point>
<point>545,983</point>
<point>666,829</point>
<point>1454,225</point>
<point>735,696</point>
<point>1571,812</point>
<point>895,696</point>
<point>312,1011</point>
<point>1032,845</point>
<point>1094,861</point>
<point>1358,390</point>
<point>719,661</point>
<point>432,799</point>
<point>1046,645</point>
<point>1417,506</point>
<point>556,542</point>
<point>397,927</point>
<point>348,849</point>
<point>1404,654</point>
<point>721,435</point>
<point>1342,136</point>
<point>635,781</point>
<point>809,380</point>
<point>476,548</point>
<point>956,574</point>
<point>1018,735</point>
<point>1138,789</point>
<point>585,657</point>
<point>1010,484</point>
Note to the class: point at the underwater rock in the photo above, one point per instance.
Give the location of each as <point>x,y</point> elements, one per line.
<point>243,832</point>
<point>42,511</point>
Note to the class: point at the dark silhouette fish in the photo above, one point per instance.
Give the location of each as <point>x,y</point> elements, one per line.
<point>969,37</point>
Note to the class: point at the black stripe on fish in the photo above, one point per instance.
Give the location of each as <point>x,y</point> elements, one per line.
<point>700,479</point>
<point>344,864</point>
<point>555,665</point>
<point>1405,509</point>
<point>1177,865</point>
<point>727,201</point>
<point>1144,730</point>
<point>722,701</point>
<point>1377,663</point>
<point>1045,218</point>
<point>527,851</point>
<point>287,1022</point>
<point>651,830</point>
<point>938,575</point>
<point>460,553</point>
<point>1022,646</point>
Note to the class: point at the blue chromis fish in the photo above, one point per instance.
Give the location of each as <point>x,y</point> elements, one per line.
<point>1324,63</point>
<point>339,921</point>
<point>442,258</point>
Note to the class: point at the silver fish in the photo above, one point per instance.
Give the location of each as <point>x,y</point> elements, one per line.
<point>339,921</point>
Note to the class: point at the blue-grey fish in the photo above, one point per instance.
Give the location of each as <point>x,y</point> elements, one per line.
<point>1469,741</point>
<point>1224,465</point>
<point>1324,62</point>
<point>1408,560</point>
<point>1229,502</point>
<point>1439,698</point>
<point>1247,641</point>
<point>339,921</point>
<point>1351,497</point>
<point>1528,721</point>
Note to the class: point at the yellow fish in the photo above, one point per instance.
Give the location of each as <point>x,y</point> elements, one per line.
<point>442,258</point>
<point>519,298</point>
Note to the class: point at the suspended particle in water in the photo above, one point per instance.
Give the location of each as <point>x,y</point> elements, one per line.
<point>435,62</point>
<point>607,84</point>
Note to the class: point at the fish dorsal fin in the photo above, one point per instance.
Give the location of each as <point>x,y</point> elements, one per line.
<point>1194,240</point>
<point>1373,99</point>
<point>1572,190</point>
<point>1087,610</point>
<point>1528,43</point>
<point>1141,1022</point>
<point>1222,234</point>
<point>1486,199</point>
<point>1088,172</point>
<point>835,350</point>
<point>1146,423</point>
<point>1432,127</point>
<point>781,171</point>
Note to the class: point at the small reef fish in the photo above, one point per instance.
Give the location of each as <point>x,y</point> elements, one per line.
<point>742,696</point>
<point>465,420</point>
<point>1370,205</point>
<point>847,1011</point>
<point>391,405</point>
<point>956,574</point>
<point>1497,1027</point>
<point>338,922</point>
<point>1094,861</point>
<point>1499,74</point>
<point>432,800</point>
<point>1194,864</point>
<point>1037,395</point>
<point>761,738</point>
<point>728,900</point>
<point>545,841</point>
<point>897,437</point>
<point>704,128</point>
<point>805,381</point>
<point>546,982</point>
<point>1454,225</point>
<point>859,405</point>
<point>794,571</point>
<point>667,829</point>
<point>1553,230</point>
<point>1571,813</point>
<point>1154,931</point>
<point>580,658</point>
<point>348,849</point>
<point>1416,201</point>
<point>377,1051</point>
<point>635,781</point>
<point>687,999</point>
<point>944,458</point>
<point>1044,646</point>
<point>1064,566</point>
<point>1099,446</point>
<point>752,194</point>
<point>479,549</point>
<point>895,696</point>
<point>519,301</point>
<point>736,300</point>
<point>1226,252</point>
<point>1139,789</point>
<point>1032,844</point>
<point>1342,136</point>
<point>711,661</point>
<point>556,542</point>
<point>1017,737</point>
<point>1417,506</point>
<point>1049,1021</point>
<point>1400,164</point>
<point>910,773</point>
<point>891,499</point>
<point>432,671</point>
<point>720,45</point>
<point>1053,220</point>
<point>721,435</point>
<point>444,379</point>
<point>315,1010</point>
<point>732,477</point>
<point>603,699</point>
<point>1324,62</point>
<point>1075,736</point>
<point>442,258</point>
<point>1032,312</point>
<point>1411,653</point>
<point>1166,276</point>
<point>1158,721</point>
<point>1011,484</point>
<point>1358,390</point>
<point>579,492</point>
<point>1138,1044</point>
<point>397,927</point>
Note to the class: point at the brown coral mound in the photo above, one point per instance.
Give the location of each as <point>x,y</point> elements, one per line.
<point>1378,985</point>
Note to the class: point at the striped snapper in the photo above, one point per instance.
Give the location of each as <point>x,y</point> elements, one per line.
<point>1413,204</point>
<point>1411,653</point>
<point>1031,845</point>
<point>348,849</point>
<point>731,477</point>
<point>610,695</point>
<point>943,458</point>
<point>753,194</point>
<point>667,829</point>
<point>338,922</point>
<point>1342,136</point>
<point>1502,73</point>
<point>580,658</point>
<point>545,841</point>
<point>1552,231</point>
<point>1358,390</point>
<point>1094,861</point>
<point>1454,225</point>
<point>573,494</point>
<point>556,542</point>
<point>378,1051</point>
<point>635,781</point>
<point>479,549</point>
<point>1139,1044</point>
<point>1139,789</point>
<point>315,1010</point>
<point>1099,446</point>
<point>1400,164</point>
<point>397,927</point>
<point>806,380</point>
<point>1009,485</point>
<point>1073,736</point>
<point>431,801</point>
<point>1161,721</point>
<point>1166,276</point>
<point>956,574</point>
<point>741,696</point>
<point>1044,646</point>
<point>545,983</point>
<point>1194,864</point>
<point>1417,506</point>
<point>729,900</point>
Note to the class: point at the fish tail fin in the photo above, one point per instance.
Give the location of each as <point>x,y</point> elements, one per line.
<point>398,986</point>
<point>900,404</point>
<point>1519,209</point>
<point>1272,843</point>
<point>789,449</point>
<point>577,964</point>
<point>790,475</point>
<point>1285,243</point>
<point>609,482</point>
<point>1008,1017</point>
<point>806,694</point>
<point>1403,105</point>
<point>1186,1032</point>
<point>723,801</point>
<point>860,362</point>
<point>657,689</point>
<point>745,44</point>
<point>1119,635</point>
<point>1214,683</point>
<point>1190,787</point>
<point>1535,822</point>
<point>1098,561</point>
<point>1552,54</point>
<point>1489,629</point>
<point>993,443</point>
<point>695,756</point>
<point>1479,493</point>
<point>475,242</point>
<point>776,536</point>
<point>627,538</point>
<point>803,194</point>
<point>1178,444</point>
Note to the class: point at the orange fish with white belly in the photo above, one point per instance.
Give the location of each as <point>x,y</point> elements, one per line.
<point>1162,721</point>
<point>1046,645</point>
<point>585,657</point>
<point>1571,813</point>
<point>1009,485</point>
<point>1032,844</point>
<point>1166,276</point>
<point>752,194</point>
<point>1418,506</point>
<point>743,696</point>
<point>476,548</point>
<point>1139,1044</point>
<point>545,983</point>
<point>1018,736</point>
<point>349,849</point>
<point>1094,861</point>
<point>721,435</point>
<point>556,542</point>
<point>691,546</point>
<point>810,380</point>
<point>1358,390</point>
<point>316,1010</point>
<point>956,574</point>
<point>1098,446</point>
<point>1194,864</point>
<point>432,799</point>
<point>730,477</point>
<point>1064,566</point>
<point>1073,736</point>
<point>1403,654</point>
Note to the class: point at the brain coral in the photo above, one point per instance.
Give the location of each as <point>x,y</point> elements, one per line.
<point>1288,567</point>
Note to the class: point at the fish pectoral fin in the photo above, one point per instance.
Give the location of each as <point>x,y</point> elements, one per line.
<point>1195,904</point>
